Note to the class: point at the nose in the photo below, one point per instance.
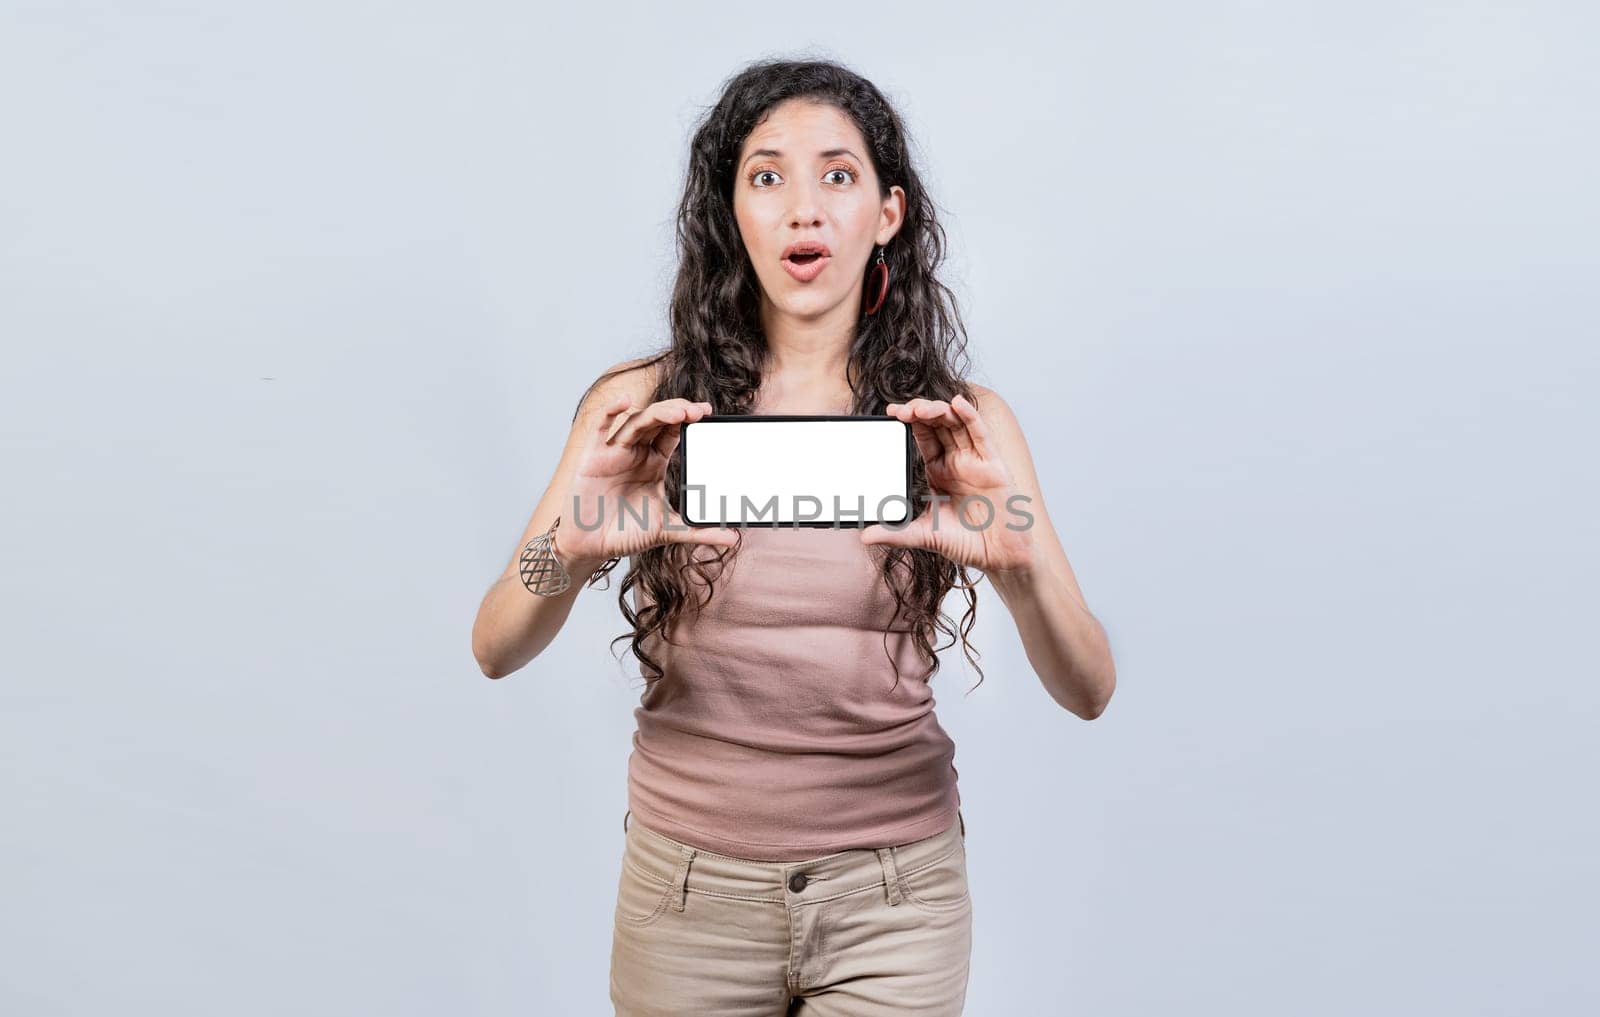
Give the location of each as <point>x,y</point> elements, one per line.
<point>807,210</point>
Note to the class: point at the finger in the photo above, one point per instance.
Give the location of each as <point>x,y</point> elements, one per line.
<point>628,433</point>
<point>908,409</point>
<point>936,414</point>
<point>609,418</point>
<point>676,531</point>
<point>916,533</point>
<point>901,411</point>
<point>653,417</point>
<point>955,428</point>
<point>666,439</point>
<point>928,443</point>
<point>977,428</point>
<point>958,427</point>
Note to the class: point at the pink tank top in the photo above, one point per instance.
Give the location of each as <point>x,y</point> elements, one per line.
<point>777,731</point>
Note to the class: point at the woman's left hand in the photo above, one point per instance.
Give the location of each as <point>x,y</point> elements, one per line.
<point>965,466</point>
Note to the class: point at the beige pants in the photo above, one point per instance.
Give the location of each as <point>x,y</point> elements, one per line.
<point>857,933</point>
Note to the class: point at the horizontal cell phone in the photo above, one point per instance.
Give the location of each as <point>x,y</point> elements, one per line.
<point>796,470</point>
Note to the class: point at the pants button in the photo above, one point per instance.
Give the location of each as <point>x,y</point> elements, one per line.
<point>797,882</point>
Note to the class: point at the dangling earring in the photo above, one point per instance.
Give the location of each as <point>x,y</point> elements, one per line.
<point>878,279</point>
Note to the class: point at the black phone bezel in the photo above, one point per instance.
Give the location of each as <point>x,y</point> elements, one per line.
<point>683,488</point>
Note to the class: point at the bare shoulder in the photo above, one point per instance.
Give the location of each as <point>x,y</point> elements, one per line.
<point>1006,432</point>
<point>996,412</point>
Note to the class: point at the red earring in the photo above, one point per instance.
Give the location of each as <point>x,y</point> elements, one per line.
<point>878,279</point>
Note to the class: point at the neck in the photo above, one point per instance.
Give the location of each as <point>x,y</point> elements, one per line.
<point>807,358</point>
<point>805,380</point>
<point>813,347</point>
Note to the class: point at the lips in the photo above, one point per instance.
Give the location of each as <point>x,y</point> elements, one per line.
<point>805,259</point>
<point>806,247</point>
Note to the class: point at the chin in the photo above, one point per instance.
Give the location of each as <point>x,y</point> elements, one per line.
<point>811,304</point>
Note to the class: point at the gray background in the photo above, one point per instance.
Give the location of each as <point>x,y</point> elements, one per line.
<point>1295,304</point>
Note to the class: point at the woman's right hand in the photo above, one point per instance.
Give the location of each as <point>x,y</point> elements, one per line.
<point>621,482</point>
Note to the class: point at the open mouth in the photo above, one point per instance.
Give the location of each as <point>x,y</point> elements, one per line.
<point>806,260</point>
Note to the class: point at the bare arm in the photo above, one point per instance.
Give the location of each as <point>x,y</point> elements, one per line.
<point>513,625</point>
<point>978,451</point>
<point>1064,642</point>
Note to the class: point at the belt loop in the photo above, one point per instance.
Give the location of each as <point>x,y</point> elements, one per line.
<point>891,876</point>
<point>625,816</point>
<point>963,824</point>
<point>680,879</point>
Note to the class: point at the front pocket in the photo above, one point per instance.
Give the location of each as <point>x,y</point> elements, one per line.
<point>939,886</point>
<point>641,897</point>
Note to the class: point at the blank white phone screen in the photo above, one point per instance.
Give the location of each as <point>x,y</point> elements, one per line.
<point>744,472</point>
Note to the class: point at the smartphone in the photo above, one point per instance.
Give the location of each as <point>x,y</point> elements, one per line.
<point>796,470</point>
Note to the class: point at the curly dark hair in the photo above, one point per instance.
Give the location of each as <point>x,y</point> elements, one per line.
<point>914,345</point>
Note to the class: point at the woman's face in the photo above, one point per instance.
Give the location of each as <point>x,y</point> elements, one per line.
<point>803,176</point>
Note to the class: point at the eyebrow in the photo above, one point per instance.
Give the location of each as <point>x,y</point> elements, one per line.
<point>826,154</point>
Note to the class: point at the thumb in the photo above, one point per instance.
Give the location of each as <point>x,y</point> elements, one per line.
<point>913,534</point>
<point>676,531</point>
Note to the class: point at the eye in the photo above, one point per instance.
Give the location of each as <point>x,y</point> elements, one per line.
<point>758,174</point>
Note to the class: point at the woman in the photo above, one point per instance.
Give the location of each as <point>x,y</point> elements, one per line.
<point>796,839</point>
